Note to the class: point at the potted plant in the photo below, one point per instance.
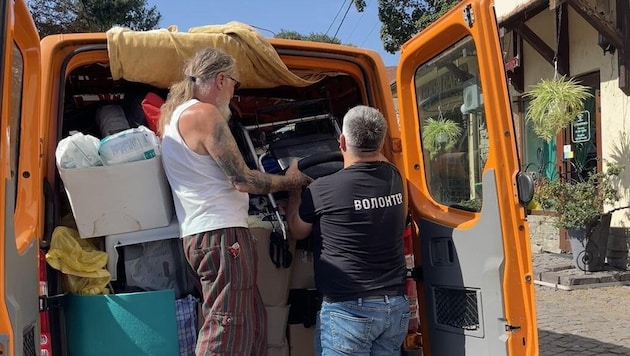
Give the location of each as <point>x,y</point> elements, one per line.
<point>579,208</point>
<point>440,135</point>
<point>554,104</point>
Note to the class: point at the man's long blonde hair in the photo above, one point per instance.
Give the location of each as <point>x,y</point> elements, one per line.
<point>198,71</point>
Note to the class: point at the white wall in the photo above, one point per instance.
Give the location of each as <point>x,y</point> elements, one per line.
<point>616,134</point>
<point>584,53</point>
<point>536,67</point>
<point>586,56</point>
<point>504,8</point>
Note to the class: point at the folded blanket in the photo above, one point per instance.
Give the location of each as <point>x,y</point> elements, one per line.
<point>156,57</point>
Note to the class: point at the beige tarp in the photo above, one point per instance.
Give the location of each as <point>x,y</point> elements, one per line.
<point>156,57</point>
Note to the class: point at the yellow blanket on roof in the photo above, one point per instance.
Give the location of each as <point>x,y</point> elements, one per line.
<point>156,57</point>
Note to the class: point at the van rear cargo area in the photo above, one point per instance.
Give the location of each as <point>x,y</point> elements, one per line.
<point>270,125</point>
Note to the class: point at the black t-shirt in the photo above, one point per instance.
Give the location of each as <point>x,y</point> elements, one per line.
<point>358,219</point>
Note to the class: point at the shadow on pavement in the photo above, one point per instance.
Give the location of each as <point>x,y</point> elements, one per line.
<point>555,344</point>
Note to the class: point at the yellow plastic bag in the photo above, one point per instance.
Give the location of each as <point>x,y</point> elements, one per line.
<point>82,265</point>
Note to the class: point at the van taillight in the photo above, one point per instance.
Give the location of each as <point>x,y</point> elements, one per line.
<point>44,336</point>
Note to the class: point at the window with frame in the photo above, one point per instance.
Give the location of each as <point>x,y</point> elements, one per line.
<point>453,126</point>
<point>15,118</point>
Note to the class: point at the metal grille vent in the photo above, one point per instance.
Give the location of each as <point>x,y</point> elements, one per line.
<point>457,308</point>
<point>29,341</point>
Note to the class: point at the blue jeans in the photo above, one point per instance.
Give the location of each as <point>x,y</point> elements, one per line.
<point>364,326</point>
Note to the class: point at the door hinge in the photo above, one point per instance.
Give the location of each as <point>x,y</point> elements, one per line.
<point>512,328</point>
<point>469,16</point>
<point>416,274</point>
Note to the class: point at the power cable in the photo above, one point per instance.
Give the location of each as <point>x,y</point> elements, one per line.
<point>335,19</point>
<point>343,19</point>
<point>357,24</point>
<point>369,33</point>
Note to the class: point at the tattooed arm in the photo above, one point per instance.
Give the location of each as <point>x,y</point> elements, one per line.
<point>216,140</point>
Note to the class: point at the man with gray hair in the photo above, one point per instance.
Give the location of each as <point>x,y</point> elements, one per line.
<point>210,183</point>
<point>356,218</point>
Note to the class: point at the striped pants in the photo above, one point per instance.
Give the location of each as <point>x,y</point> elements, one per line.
<point>235,320</point>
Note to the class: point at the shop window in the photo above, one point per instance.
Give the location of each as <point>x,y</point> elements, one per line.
<point>539,156</point>
<point>577,149</point>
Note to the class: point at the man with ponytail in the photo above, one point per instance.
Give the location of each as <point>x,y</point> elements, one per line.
<point>210,183</point>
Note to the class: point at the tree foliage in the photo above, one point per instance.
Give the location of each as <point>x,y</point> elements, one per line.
<point>70,16</point>
<point>402,19</point>
<point>316,37</point>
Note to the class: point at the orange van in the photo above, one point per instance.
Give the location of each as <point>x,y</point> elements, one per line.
<point>469,250</point>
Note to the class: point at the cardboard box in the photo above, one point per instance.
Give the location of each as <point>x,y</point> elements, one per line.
<point>116,199</point>
<point>302,274</point>
<point>273,282</point>
<point>277,325</point>
<point>301,340</point>
<point>121,324</point>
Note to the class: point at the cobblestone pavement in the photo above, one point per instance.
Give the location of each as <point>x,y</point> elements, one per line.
<point>583,322</point>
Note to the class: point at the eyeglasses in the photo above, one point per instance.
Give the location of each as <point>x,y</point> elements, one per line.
<point>237,84</point>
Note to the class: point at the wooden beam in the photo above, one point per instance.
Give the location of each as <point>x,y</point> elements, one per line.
<point>517,75</point>
<point>524,15</point>
<point>553,4</point>
<point>536,42</point>
<point>563,40</point>
<point>598,21</point>
<point>623,22</point>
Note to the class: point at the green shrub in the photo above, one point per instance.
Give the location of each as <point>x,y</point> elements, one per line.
<point>579,204</point>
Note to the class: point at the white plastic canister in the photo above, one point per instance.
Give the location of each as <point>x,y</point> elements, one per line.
<point>130,145</point>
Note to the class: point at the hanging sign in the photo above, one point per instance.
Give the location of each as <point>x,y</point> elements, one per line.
<point>512,64</point>
<point>581,127</point>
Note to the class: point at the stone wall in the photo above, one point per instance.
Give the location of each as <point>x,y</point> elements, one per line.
<point>544,237</point>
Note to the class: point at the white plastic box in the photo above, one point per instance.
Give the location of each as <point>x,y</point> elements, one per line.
<point>126,197</point>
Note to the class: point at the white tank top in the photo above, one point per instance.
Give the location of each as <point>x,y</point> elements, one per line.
<point>204,198</point>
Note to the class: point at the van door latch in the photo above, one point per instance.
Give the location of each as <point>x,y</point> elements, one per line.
<point>50,302</point>
<point>512,328</point>
<point>469,16</point>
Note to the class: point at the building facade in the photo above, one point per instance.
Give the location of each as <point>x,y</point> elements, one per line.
<point>588,40</point>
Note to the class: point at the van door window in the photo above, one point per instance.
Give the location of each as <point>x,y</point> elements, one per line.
<point>453,126</point>
<point>15,115</point>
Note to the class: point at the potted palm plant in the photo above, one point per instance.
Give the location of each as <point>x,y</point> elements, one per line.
<point>440,135</point>
<point>578,207</point>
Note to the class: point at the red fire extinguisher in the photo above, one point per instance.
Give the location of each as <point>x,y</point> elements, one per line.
<point>413,340</point>
<point>44,337</point>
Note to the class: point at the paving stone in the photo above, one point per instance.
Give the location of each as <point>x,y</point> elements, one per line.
<point>550,277</point>
<point>560,267</point>
<point>609,279</point>
<point>576,281</point>
<point>582,322</point>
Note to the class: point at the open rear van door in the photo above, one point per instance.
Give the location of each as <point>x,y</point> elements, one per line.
<point>460,156</point>
<point>21,192</point>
